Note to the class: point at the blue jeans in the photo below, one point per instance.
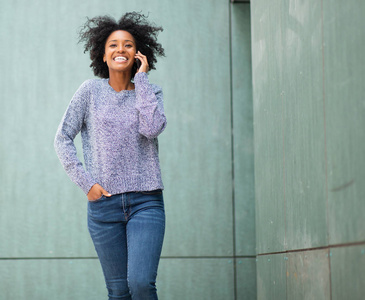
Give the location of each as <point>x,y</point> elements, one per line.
<point>128,230</point>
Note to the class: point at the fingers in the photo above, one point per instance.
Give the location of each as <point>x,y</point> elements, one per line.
<point>141,57</point>
<point>144,62</point>
<point>96,192</point>
<point>105,193</point>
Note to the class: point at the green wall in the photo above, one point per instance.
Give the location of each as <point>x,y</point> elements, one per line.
<point>309,114</point>
<point>206,152</point>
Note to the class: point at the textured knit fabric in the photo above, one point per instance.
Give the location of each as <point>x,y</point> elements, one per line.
<point>119,136</point>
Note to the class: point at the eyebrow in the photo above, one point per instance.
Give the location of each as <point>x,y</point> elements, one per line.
<point>124,41</point>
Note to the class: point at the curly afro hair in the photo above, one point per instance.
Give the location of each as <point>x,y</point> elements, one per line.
<point>96,31</point>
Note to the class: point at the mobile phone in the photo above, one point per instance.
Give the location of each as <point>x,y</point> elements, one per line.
<point>138,63</point>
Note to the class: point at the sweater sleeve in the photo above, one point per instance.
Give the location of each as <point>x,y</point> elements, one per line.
<point>69,127</point>
<point>149,103</point>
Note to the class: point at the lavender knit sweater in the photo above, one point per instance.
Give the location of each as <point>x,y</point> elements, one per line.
<point>119,136</point>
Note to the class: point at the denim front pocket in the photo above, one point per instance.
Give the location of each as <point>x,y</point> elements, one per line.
<point>102,209</point>
<point>97,200</point>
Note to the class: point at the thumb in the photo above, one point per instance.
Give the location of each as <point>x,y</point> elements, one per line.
<point>105,193</point>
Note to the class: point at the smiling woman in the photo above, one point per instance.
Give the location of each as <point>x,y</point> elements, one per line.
<point>120,117</point>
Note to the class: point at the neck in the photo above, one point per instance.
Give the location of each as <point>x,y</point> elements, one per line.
<point>120,81</point>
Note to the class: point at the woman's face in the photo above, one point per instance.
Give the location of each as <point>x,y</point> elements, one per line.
<point>120,51</point>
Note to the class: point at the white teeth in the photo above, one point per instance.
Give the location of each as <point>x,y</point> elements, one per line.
<point>120,58</point>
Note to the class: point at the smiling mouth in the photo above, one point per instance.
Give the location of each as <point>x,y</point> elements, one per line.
<point>120,58</point>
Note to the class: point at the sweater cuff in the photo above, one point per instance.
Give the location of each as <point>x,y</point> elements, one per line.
<point>140,78</point>
<point>86,187</point>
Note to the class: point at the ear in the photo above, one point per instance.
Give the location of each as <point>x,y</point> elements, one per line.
<point>104,59</point>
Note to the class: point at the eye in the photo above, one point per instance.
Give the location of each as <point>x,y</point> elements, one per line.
<point>128,46</point>
<point>112,45</point>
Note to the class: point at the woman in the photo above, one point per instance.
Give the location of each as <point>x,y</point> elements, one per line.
<point>120,117</point>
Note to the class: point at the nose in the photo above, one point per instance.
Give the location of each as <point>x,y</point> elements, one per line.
<point>120,48</point>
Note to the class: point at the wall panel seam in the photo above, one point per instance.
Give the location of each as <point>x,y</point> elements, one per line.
<point>284,172</point>
<point>325,147</point>
<point>315,248</point>
<point>162,257</point>
<point>232,152</point>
